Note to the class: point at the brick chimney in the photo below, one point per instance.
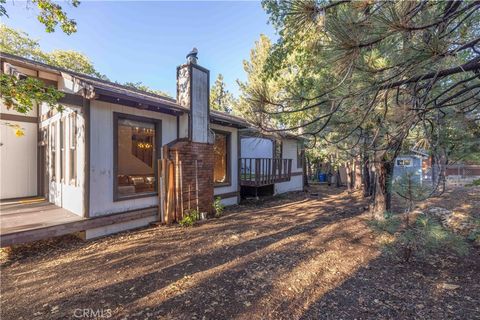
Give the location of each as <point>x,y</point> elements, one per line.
<point>191,156</point>
<point>193,92</point>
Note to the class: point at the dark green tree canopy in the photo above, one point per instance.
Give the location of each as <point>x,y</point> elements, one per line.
<point>220,98</point>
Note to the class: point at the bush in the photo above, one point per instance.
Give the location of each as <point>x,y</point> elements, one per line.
<point>421,236</point>
<point>218,207</point>
<point>189,218</point>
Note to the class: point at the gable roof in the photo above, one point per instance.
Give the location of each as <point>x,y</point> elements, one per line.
<point>117,93</point>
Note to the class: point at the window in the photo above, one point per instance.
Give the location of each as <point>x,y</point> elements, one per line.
<point>221,154</point>
<point>73,148</point>
<point>53,152</point>
<point>404,162</point>
<point>62,149</point>
<point>300,154</point>
<point>137,142</point>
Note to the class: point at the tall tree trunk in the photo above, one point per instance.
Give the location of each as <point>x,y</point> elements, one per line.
<point>338,180</point>
<point>306,171</point>
<point>382,200</point>
<point>367,186</point>
<point>349,176</point>
<point>357,179</point>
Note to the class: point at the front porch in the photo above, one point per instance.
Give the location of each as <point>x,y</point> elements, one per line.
<point>36,219</point>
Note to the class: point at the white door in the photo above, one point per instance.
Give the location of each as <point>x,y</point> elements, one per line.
<point>18,160</point>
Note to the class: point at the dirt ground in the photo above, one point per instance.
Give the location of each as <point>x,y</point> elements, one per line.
<point>295,257</point>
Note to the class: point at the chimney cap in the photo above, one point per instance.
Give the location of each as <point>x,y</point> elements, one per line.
<point>192,56</point>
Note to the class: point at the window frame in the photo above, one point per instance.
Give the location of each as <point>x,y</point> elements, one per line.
<point>72,148</point>
<point>63,150</point>
<point>158,153</point>
<point>403,162</point>
<point>228,181</point>
<point>52,130</point>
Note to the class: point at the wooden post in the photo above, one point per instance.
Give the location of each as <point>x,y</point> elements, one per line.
<point>196,185</point>
<point>181,187</point>
<point>160,190</point>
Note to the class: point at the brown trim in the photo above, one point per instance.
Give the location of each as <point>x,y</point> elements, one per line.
<point>294,174</point>
<point>50,113</point>
<point>71,99</point>
<point>228,181</point>
<point>158,147</point>
<point>18,117</point>
<point>86,182</point>
<point>239,155</point>
<point>227,195</point>
<point>75,226</point>
<point>178,127</point>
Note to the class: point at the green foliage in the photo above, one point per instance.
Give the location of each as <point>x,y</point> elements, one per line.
<point>220,98</point>
<point>390,224</point>
<point>22,94</point>
<point>50,15</point>
<point>19,43</point>
<point>189,218</point>
<point>140,86</point>
<point>410,189</point>
<point>421,237</point>
<point>218,207</point>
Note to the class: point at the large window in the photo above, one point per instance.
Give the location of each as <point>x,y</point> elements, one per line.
<point>137,141</point>
<point>53,152</point>
<point>221,151</point>
<point>73,148</point>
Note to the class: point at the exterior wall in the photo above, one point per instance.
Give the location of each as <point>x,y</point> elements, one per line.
<point>101,156</point>
<point>256,147</point>
<point>18,157</point>
<point>65,192</point>
<point>200,105</point>
<point>296,182</point>
<point>196,163</point>
<point>118,227</point>
<point>233,186</point>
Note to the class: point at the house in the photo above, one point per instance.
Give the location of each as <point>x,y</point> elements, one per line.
<point>270,163</point>
<point>116,158</point>
<point>411,165</point>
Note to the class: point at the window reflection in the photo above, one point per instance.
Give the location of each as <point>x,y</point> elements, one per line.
<point>220,149</point>
<point>136,157</point>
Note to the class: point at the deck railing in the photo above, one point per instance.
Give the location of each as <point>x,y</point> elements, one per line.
<point>257,172</point>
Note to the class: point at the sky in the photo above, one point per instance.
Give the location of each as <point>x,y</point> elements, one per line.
<point>145,41</point>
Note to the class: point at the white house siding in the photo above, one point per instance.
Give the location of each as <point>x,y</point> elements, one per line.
<point>67,192</point>
<point>233,187</point>
<point>18,157</point>
<point>289,151</point>
<point>101,156</point>
<point>255,147</point>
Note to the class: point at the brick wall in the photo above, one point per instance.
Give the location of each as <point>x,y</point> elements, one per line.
<point>184,154</point>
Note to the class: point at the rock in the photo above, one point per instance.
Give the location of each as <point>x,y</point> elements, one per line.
<point>448,286</point>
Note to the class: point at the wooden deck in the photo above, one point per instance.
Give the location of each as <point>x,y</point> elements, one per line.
<point>36,219</point>
<point>31,214</point>
<point>258,172</point>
